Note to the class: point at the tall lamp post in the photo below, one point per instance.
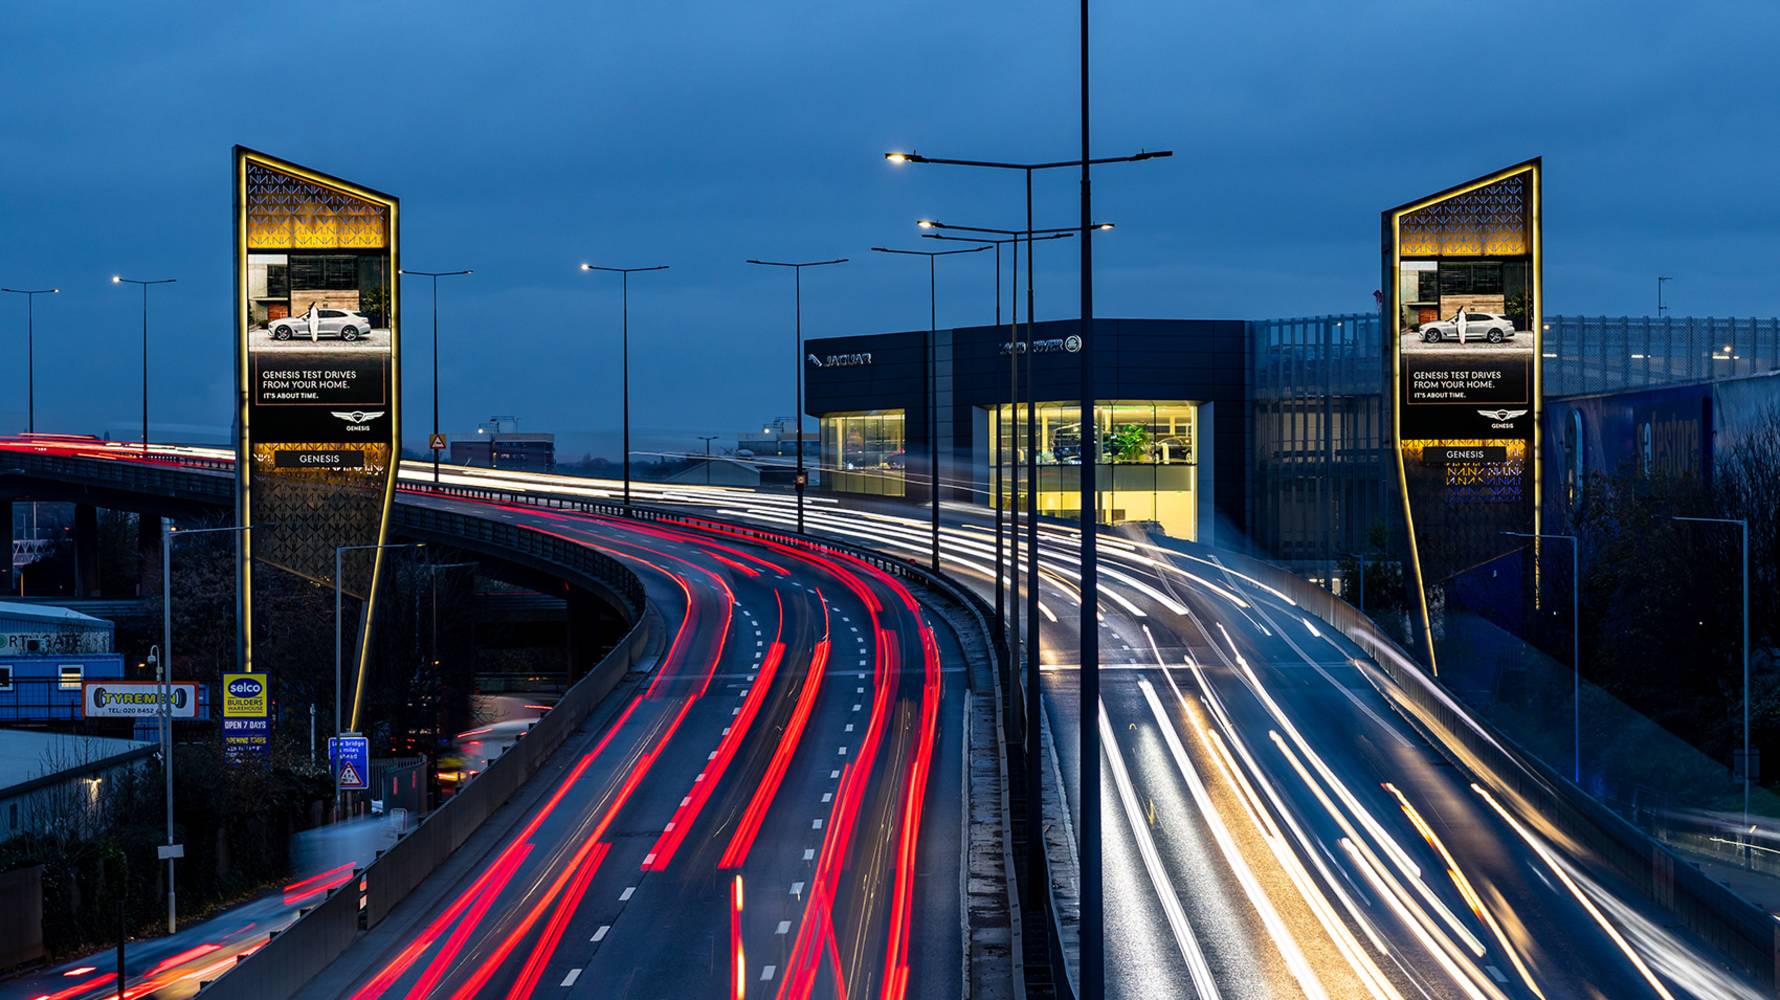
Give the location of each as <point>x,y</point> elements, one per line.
<point>169,535</point>
<point>118,279</point>
<point>1006,482</point>
<point>1575,644</point>
<point>933,442</point>
<point>707,439</point>
<point>1093,957</point>
<point>340,551</point>
<point>30,295</point>
<point>624,366</point>
<point>1662,308</point>
<point>801,479</point>
<point>435,275</point>
<point>1748,761</point>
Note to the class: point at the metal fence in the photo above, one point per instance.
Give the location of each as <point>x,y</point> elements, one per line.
<point>1591,354</point>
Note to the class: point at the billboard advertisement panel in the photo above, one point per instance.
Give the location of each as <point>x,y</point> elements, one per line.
<point>1464,323</point>
<point>137,700</point>
<point>318,352</point>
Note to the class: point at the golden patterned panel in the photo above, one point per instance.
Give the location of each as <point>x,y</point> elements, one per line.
<point>1490,221</point>
<point>287,212</point>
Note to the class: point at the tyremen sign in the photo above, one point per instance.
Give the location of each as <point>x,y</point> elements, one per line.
<point>1464,315</point>
<point>136,700</point>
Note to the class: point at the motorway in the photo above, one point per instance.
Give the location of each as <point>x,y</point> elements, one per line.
<point>1273,827</point>
<point>791,763</point>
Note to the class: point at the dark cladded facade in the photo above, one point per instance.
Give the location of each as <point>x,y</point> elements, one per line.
<point>1202,362</point>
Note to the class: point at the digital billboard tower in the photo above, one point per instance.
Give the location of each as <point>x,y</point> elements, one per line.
<point>1465,316</point>
<point>318,353</point>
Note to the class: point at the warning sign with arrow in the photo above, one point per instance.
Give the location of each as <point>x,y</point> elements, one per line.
<point>436,442</point>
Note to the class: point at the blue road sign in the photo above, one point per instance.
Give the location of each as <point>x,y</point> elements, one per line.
<point>349,758</point>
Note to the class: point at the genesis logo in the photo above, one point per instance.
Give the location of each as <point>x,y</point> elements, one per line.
<point>1502,415</point>
<point>357,416</point>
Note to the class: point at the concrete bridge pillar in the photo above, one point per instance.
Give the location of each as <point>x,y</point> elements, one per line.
<point>148,555</point>
<point>86,550</point>
<point>7,586</point>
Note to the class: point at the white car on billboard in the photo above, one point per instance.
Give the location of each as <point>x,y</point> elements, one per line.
<point>1492,327</point>
<point>344,324</point>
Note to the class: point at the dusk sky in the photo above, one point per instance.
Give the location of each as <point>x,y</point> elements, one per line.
<point>525,138</point>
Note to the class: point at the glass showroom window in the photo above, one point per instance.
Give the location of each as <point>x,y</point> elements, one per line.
<point>863,452</point>
<point>1147,460</point>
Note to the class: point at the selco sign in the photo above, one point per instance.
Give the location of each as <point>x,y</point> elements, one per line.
<point>839,360</point>
<point>1050,345</point>
<point>136,700</point>
<point>244,696</point>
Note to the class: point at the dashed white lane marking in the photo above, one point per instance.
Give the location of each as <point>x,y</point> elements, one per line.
<point>816,824</point>
<point>600,934</point>
<point>701,775</point>
<point>797,889</point>
<point>859,690</point>
<point>685,801</point>
<point>649,859</point>
<point>726,730</point>
<point>767,972</point>
<point>713,755</point>
<point>569,980</point>
<point>862,661</point>
<point>784,927</point>
<point>629,891</point>
<point>734,711</point>
<point>827,797</point>
<point>1495,974</point>
<point>833,775</point>
<point>849,727</point>
<point>856,707</point>
<point>843,751</point>
<point>809,854</point>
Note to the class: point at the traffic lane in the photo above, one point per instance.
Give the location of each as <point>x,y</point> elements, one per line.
<point>170,967</point>
<point>497,904</point>
<point>1622,923</point>
<point>1533,929</point>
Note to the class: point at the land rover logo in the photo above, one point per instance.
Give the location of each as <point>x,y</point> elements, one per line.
<point>1072,343</point>
<point>246,687</point>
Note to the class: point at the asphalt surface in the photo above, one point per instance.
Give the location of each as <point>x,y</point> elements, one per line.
<point>1273,827</point>
<point>799,734</point>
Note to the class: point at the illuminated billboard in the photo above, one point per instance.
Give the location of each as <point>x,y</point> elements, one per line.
<point>318,349</point>
<point>1464,320</point>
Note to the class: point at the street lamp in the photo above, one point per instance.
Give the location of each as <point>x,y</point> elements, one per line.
<point>1006,486</point>
<point>933,372</point>
<point>339,551</point>
<point>1093,956</point>
<point>30,295</point>
<point>169,534</point>
<point>1748,762</point>
<point>118,279</point>
<point>1662,308</point>
<point>625,273</point>
<point>707,439</point>
<point>800,479</point>
<point>1575,645</point>
<point>435,275</point>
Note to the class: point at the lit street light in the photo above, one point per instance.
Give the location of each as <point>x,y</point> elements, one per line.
<point>1092,969</point>
<point>1575,645</point>
<point>339,551</point>
<point>1748,760</point>
<point>170,534</point>
<point>118,279</point>
<point>933,373</point>
<point>1005,486</point>
<point>624,366</point>
<point>801,479</point>
<point>30,295</point>
<point>435,275</point>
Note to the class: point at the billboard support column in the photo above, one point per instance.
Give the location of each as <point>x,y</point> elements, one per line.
<point>1463,294</point>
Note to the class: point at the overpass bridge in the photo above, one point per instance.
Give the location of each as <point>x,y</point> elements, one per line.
<point>1293,808</point>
